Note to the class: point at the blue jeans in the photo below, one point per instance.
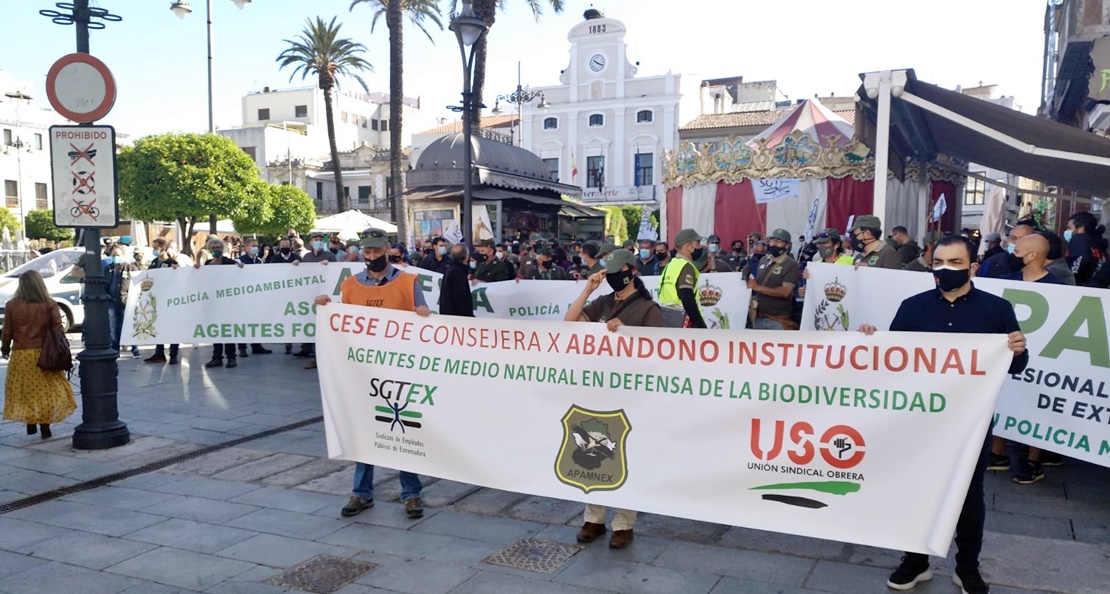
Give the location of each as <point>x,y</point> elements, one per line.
<point>115,322</point>
<point>364,483</point>
<point>767,324</point>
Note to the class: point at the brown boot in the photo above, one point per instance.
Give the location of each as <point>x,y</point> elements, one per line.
<point>620,539</point>
<point>590,532</point>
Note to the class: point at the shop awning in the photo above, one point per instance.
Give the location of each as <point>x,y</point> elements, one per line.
<point>478,193</point>
<point>927,120</point>
<point>575,211</point>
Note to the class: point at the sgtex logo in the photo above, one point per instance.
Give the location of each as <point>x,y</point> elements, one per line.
<point>399,396</point>
<point>833,454</point>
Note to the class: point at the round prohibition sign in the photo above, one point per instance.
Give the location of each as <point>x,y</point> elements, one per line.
<point>81,88</point>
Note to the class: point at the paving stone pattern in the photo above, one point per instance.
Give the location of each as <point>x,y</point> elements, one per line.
<point>239,519</point>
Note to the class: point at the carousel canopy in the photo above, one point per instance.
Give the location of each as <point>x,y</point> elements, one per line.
<point>812,118</point>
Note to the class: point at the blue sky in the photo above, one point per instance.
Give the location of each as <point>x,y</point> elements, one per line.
<point>809,46</point>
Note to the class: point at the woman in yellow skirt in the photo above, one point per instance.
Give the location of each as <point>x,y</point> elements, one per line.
<point>33,395</point>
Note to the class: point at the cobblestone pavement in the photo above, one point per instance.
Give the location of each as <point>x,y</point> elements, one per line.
<point>236,519</point>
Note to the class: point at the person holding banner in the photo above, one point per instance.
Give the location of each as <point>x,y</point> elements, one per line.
<point>678,287</point>
<point>218,257</point>
<point>957,306</point>
<point>165,256</point>
<point>630,304</point>
<point>773,285</point>
<point>381,285</point>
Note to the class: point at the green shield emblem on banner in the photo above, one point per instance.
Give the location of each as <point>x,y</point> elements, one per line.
<point>592,456</point>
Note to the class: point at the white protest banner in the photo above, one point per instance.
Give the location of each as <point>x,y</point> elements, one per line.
<point>254,304</point>
<point>724,297</point>
<point>803,433</point>
<point>770,190</point>
<point>1061,402</point>
<point>274,303</point>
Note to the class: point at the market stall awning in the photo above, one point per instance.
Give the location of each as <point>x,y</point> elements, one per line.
<point>478,193</point>
<point>927,120</point>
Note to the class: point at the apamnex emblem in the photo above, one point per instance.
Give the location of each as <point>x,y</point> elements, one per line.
<point>592,456</point>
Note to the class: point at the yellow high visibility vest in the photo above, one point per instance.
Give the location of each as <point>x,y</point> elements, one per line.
<point>668,290</point>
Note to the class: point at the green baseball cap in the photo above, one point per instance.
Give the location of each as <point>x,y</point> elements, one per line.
<point>629,243</point>
<point>374,238</point>
<point>607,247</point>
<point>713,239</point>
<point>543,250</point>
<point>782,234</point>
<point>618,259</point>
<point>484,243</point>
<point>869,221</point>
<point>686,236</point>
<point>828,235</point>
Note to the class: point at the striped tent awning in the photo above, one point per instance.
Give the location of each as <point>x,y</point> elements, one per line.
<point>812,118</point>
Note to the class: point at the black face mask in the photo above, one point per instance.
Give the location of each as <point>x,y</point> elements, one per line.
<point>377,264</point>
<point>480,258</point>
<point>285,251</point>
<point>949,280</point>
<point>1016,262</point>
<point>858,244</point>
<point>547,264</point>
<point>619,280</point>
<point>429,252</point>
<point>776,251</point>
<point>395,259</point>
<point>577,260</point>
<point>661,255</point>
<point>737,249</point>
<point>697,254</point>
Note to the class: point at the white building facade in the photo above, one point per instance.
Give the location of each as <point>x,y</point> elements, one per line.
<point>24,149</point>
<point>605,122</point>
<point>285,132</point>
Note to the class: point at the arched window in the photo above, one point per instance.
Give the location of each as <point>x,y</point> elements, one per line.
<point>551,123</point>
<point>644,116</point>
<point>597,119</point>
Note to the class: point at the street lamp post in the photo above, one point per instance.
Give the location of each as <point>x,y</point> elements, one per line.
<point>519,97</point>
<point>468,29</point>
<point>182,9</point>
<point>100,426</point>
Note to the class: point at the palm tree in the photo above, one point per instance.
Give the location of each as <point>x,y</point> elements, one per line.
<point>487,11</point>
<point>319,51</point>
<point>418,12</point>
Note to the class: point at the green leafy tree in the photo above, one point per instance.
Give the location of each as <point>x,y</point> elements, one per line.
<point>285,207</point>
<point>319,51</point>
<point>178,177</point>
<point>418,12</point>
<point>9,220</point>
<point>615,224</point>
<point>40,225</point>
<point>487,11</point>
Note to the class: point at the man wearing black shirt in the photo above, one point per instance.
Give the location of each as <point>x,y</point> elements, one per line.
<point>454,293</point>
<point>957,306</point>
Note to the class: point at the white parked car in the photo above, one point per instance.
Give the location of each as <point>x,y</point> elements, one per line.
<point>64,287</point>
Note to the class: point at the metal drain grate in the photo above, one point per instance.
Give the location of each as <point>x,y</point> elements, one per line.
<point>542,556</point>
<point>150,467</point>
<point>322,575</point>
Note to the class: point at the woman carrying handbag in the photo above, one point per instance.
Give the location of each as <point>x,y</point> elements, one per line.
<point>37,391</point>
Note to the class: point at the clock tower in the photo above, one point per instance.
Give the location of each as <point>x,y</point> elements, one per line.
<point>599,63</point>
<point>604,128</point>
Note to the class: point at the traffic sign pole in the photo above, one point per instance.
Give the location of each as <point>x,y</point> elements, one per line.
<point>100,426</point>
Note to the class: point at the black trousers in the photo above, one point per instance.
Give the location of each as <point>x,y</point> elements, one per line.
<point>969,528</point>
<point>219,350</point>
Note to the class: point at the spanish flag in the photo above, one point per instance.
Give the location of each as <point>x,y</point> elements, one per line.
<point>573,167</point>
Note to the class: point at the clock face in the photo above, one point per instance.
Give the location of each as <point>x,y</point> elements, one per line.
<point>597,62</point>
